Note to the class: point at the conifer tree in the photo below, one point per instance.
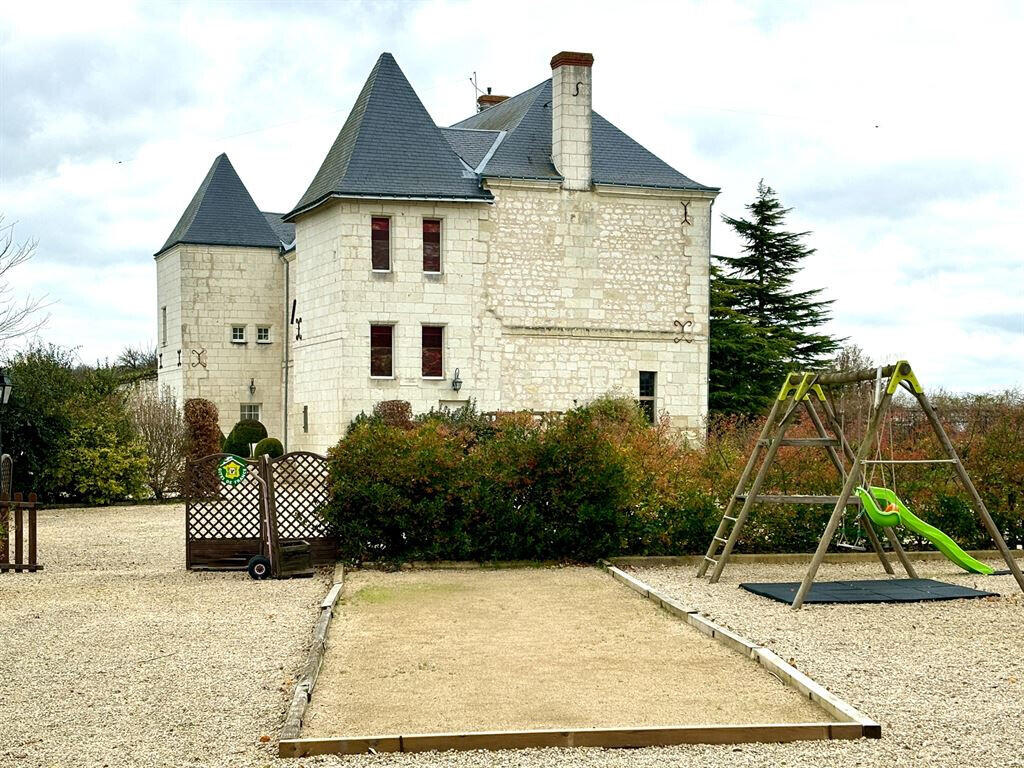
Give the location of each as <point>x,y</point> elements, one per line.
<point>760,327</point>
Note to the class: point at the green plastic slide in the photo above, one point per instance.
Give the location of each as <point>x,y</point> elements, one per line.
<point>902,515</point>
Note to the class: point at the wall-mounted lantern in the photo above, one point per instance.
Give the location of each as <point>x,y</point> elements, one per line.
<point>252,387</point>
<point>456,381</point>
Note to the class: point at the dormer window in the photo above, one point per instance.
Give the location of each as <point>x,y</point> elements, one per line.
<point>380,243</point>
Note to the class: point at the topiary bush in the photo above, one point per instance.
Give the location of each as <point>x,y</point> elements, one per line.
<point>204,434</point>
<point>268,446</point>
<point>242,436</point>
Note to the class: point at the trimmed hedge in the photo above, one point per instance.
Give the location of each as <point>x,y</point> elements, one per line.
<point>268,446</point>
<point>242,436</point>
<point>204,435</point>
<point>599,481</point>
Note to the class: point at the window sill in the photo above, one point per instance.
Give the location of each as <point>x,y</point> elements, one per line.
<point>381,378</point>
<point>268,341</point>
<point>434,378</point>
<point>240,343</point>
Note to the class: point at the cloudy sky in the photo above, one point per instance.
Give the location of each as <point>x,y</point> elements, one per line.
<point>893,130</point>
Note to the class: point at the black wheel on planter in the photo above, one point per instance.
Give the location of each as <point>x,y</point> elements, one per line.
<point>259,567</point>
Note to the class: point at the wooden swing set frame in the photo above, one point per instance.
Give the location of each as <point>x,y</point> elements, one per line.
<point>801,390</point>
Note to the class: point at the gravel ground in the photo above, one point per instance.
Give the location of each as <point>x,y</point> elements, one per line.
<point>519,649</point>
<point>116,656</point>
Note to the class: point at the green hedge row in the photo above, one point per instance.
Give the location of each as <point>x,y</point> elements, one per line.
<point>598,482</point>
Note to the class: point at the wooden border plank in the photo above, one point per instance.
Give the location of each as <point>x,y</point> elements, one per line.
<point>788,674</point>
<point>293,718</point>
<point>608,738</point>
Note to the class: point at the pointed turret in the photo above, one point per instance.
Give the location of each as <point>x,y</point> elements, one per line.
<point>390,147</point>
<point>222,212</point>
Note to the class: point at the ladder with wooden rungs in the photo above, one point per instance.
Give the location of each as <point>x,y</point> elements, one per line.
<point>796,392</point>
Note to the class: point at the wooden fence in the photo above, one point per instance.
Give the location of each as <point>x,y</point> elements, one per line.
<point>222,521</point>
<point>18,517</point>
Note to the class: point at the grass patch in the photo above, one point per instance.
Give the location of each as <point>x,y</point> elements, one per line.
<point>377,595</point>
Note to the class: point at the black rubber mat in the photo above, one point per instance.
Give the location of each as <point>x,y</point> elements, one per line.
<point>879,591</point>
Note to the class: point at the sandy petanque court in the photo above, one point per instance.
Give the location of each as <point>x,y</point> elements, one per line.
<point>481,650</point>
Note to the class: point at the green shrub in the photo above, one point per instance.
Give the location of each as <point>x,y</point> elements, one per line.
<point>598,481</point>
<point>268,446</point>
<point>99,460</point>
<point>242,436</point>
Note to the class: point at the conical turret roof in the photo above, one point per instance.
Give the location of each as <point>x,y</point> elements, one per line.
<point>222,212</point>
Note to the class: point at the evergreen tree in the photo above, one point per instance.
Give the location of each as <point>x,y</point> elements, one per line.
<point>760,328</point>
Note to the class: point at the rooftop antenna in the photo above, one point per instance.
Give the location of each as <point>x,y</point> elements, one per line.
<point>476,89</point>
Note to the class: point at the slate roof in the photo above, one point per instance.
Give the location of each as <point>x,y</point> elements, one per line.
<point>470,144</point>
<point>525,153</point>
<point>222,212</point>
<point>390,147</point>
<point>285,230</point>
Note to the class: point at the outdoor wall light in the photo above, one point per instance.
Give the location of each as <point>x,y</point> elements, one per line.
<point>252,387</point>
<point>456,381</point>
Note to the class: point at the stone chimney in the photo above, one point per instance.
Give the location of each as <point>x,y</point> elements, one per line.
<point>571,105</point>
<point>485,100</point>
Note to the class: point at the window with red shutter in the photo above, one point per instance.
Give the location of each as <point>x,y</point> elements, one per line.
<point>431,245</point>
<point>380,243</point>
<point>381,346</point>
<point>433,351</point>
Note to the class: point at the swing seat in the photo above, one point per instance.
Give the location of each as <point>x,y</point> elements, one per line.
<point>896,513</point>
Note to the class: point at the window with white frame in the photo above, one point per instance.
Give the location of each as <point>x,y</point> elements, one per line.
<point>262,334</point>
<point>380,243</point>
<point>382,340</point>
<point>163,325</point>
<point>431,245</point>
<point>433,352</point>
<point>250,411</point>
<point>238,334</point>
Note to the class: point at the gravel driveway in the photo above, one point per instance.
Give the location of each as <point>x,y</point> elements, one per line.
<point>114,655</point>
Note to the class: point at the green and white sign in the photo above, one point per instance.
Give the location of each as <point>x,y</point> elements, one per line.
<point>232,471</point>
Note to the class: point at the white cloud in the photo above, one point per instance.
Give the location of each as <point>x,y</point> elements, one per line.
<point>891,129</point>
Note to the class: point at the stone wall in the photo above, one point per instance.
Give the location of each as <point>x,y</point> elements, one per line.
<point>587,286</point>
<point>340,297</point>
<point>221,286</point>
<point>549,298</point>
<point>170,374</point>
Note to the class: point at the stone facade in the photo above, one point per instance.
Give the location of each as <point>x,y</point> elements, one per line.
<point>548,297</point>
<point>208,289</point>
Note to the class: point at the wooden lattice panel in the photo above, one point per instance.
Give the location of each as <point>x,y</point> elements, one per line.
<point>215,510</point>
<point>300,483</point>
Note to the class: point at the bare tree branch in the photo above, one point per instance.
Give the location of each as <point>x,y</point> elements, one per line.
<point>18,317</point>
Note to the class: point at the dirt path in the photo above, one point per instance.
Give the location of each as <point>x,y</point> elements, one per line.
<point>439,651</point>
